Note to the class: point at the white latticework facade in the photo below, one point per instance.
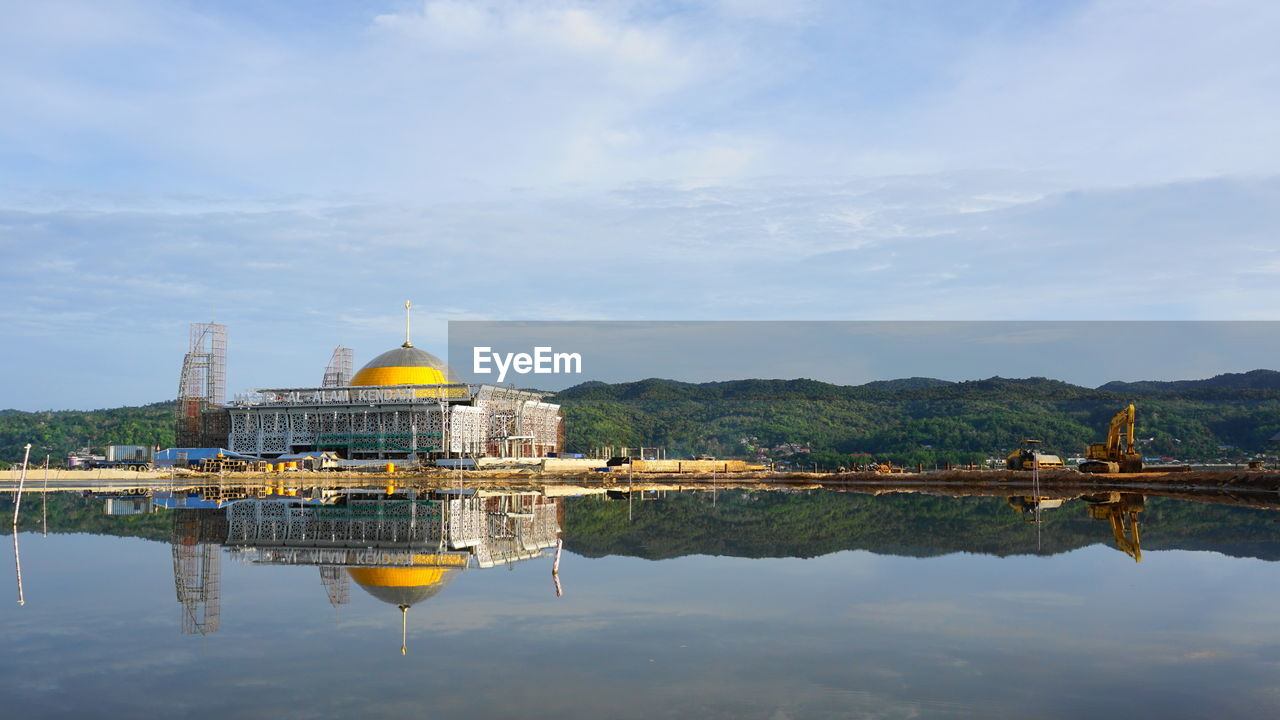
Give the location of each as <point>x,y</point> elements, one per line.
<point>399,422</point>
<point>519,424</point>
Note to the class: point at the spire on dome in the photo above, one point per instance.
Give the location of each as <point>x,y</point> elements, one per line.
<point>407,342</point>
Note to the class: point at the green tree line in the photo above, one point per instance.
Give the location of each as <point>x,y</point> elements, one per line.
<point>916,420</point>
<point>923,420</point>
<point>59,432</point>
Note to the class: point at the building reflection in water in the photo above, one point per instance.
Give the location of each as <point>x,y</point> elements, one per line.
<point>197,567</point>
<point>401,548</point>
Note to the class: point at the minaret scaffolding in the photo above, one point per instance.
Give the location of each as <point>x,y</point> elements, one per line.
<point>204,379</point>
<point>341,367</point>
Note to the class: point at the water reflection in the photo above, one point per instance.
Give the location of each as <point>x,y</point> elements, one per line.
<point>402,548</point>
<point>1119,509</point>
<point>17,565</point>
<point>1031,506</point>
<point>763,604</point>
<point>197,567</point>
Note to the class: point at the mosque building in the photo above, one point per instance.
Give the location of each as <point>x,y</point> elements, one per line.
<point>405,404</point>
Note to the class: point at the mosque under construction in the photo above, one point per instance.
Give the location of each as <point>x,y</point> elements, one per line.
<point>405,404</point>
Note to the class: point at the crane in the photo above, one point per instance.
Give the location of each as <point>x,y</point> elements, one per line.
<point>1119,453</point>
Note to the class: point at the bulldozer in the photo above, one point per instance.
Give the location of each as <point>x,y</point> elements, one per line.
<point>1118,454</point>
<point>1029,456</point>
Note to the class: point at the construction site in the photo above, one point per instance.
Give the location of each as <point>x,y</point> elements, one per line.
<point>404,406</point>
<point>406,412</point>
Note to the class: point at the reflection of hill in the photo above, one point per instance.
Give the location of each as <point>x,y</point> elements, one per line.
<point>811,524</point>
<point>74,513</point>
<point>775,524</point>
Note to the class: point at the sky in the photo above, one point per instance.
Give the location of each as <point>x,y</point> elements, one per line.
<point>297,170</point>
<point>1089,353</point>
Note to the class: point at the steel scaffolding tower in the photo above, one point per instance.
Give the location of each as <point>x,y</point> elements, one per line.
<point>204,380</point>
<point>341,367</point>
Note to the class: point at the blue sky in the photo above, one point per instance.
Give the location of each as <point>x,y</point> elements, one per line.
<point>297,170</point>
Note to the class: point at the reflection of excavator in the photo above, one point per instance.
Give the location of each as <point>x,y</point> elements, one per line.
<point>1029,456</point>
<point>1119,508</point>
<point>1117,454</point>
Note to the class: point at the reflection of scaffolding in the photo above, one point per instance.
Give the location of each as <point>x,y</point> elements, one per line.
<point>197,568</point>
<point>337,583</point>
<point>519,527</point>
<point>494,530</point>
<point>341,366</point>
<point>203,384</point>
<point>384,521</point>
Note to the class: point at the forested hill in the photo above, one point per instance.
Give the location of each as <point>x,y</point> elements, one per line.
<point>921,419</point>
<point>58,432</point>
<point>1252,380</point>
<point>907,420</point>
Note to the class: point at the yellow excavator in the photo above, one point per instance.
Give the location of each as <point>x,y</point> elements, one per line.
<point>1119,453</point>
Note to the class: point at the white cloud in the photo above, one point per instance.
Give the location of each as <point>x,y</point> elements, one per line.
<point>617,159</point>
<point>1117,92</point>
<point>294,283</point>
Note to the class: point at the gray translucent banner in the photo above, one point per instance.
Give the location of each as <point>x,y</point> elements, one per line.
<point>555,355</point>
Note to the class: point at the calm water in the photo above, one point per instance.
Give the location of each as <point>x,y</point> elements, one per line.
<point>748,605</point>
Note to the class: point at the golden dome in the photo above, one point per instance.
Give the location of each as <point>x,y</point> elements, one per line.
<point>402,586</point>
<point>405,365</point>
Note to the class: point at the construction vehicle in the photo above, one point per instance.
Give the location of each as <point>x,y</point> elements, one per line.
<point>1029,457</point>
<point>1118,454</point>
<point>1121,510</point>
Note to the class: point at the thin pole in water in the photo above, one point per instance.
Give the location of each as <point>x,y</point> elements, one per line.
<point>17,503</point>
<point>1035,481</point>
<point>44,499</point>
<point>17,563</point>
<point>555,568</point>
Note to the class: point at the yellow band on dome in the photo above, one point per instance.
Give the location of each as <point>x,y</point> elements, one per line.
<point>396,577</point>
<point>398,376</point>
